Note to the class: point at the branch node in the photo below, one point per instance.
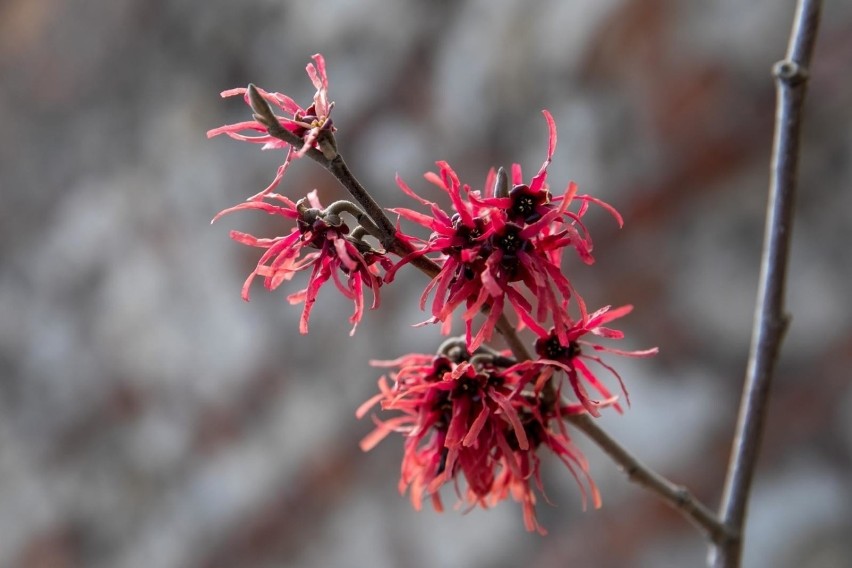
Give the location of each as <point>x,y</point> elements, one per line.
<point>786,318</point>
<point>790,72</point>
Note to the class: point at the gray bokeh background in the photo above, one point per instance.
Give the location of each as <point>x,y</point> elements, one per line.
<point>149,417</point>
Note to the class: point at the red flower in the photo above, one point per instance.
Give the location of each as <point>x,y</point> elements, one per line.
<point>307,123</point>
<point>321,242</point>
<point>569,355</point>
<point>474,417</point>
<point>521,468</point>
<point>498,238</point>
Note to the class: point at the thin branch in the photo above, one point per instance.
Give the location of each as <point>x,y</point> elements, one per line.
<point>676,496</point>
<point>770,320</point>
<point>338,168</point>
<point>507,330</point>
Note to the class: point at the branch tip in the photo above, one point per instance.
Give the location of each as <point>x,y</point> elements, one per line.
<point>501,184</point>
<point>262,112</point>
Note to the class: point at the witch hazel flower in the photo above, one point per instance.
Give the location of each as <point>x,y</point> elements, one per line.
<point>572,354</point>
<point>320,242</point>
<point>446,405</point>
<point>520,471</point>
<point>309,124</point>
<point>498,239</point>
<point>476,419</point>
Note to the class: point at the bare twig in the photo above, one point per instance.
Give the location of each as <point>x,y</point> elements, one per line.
<point>677,496</point>
<point>770,321</point>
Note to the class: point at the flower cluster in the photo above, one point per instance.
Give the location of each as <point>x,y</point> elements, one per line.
<point>320,241</point>
<point>469,415</point>
<point>477,417</point>
<point>499,239</point>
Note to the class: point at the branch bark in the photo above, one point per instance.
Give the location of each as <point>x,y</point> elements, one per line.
<point>770,320</point>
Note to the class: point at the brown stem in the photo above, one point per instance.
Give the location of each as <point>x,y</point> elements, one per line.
<point>676,496</point>
<point>770,320</point>
<point>338,168</point>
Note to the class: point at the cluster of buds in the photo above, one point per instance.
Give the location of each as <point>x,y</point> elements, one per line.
<point>468,413</point>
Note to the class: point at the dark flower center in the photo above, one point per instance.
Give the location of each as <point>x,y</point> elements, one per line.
<point>525,203</point>
<point>466,236</point>
<point>469,387</point>
<point>535,433</point>
<point>440,366</point>
<point>443,407</point>
<point>496,381</point>
<point>511,243</point>
<point>551,348</point>
<point>510,240</point>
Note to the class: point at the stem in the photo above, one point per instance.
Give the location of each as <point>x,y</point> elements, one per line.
<point>507,330</point>
<point>770,321</point>
<point>676,496</point>
<point>338,168</point>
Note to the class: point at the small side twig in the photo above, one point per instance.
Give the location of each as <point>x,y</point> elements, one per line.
<point>770,320</point>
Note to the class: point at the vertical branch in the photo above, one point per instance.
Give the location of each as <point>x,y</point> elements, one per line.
<point>770,321</point>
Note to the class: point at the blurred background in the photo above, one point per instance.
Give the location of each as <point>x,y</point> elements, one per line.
<point>149,417</point>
